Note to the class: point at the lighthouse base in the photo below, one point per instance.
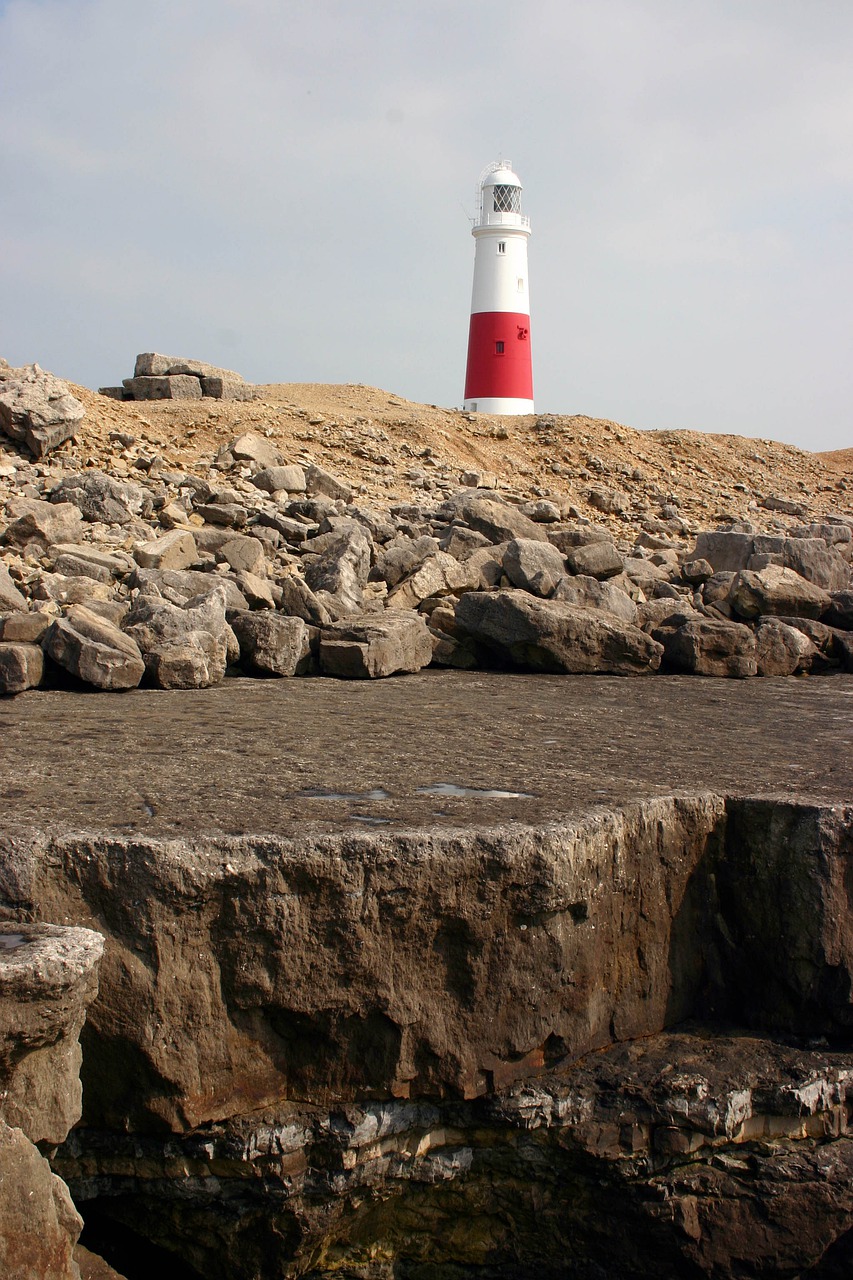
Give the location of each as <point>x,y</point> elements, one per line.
<point>498,404</point>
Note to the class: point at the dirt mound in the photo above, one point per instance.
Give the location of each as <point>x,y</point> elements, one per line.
<point>392,449</point>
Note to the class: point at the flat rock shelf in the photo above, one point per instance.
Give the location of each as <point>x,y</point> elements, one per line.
<point>280,757</point>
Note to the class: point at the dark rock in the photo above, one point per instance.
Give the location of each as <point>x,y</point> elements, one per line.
<point>595,560</point>
<point>548,635</point>
<point>401,557</point>
<point>782,650</point>
<point>840,611</point>
<point>775,591</point>
<point>704,647</point>
<point>536,567</point>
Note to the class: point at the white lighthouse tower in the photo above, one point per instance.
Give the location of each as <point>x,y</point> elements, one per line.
<point>499,377</point>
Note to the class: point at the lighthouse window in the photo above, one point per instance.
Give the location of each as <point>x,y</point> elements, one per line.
<point>502,246</point>
<point>499,348</point>
<point>507,199</point>
<point>521,284</point>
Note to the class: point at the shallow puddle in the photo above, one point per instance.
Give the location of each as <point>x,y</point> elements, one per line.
<point>11,941</point>
<point>475,793</point>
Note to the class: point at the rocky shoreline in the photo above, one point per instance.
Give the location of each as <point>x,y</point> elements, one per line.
<point>505,969</point>
<point>274,569</point>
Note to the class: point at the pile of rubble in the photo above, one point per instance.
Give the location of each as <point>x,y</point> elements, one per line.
<point>157,377</point>
<point>264,566</point>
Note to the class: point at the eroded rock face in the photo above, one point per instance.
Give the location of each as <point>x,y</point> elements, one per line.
<point>48,977</point>
<point>503,997</point>
<point>37,409</point>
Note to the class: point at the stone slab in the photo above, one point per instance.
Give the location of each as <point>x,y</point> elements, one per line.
<point>562,744</point>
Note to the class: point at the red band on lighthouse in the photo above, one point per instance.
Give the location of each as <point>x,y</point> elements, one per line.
<point>499,376</point>
<point>499,356</point>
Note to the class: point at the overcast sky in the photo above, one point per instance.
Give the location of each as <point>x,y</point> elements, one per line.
<point>283,186</point>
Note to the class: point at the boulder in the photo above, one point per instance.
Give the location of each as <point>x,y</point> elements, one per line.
<point>231,387</point>
<point>497,521</point>
<point>299,601</point>
<point>726,551</point>
<point>706,647</point>
<point>342,570</point>
<point>74,588</point>
<point>439,575</point>
<point>174,550</point>
<point>319,481</point>
<point>776,590</point>
<point>375,645</point>
<point>183,646</point>
<point>21,666</point>
<point>37,409</point>
<point>590,593</point>
<point>400,557</point>
<point>533,566</point>
<point>595,560</point>
<point>260,592</point>
<point>250,447</point>
<point>271,644</point>
<point>840,611</point>
<point>231,515</point>
<point>696,572</point>
<point>94,650</point>
<point>179,386</point>
<point>100,497</point>
<point>26,628</point>
<point>244,553</point>
<point>32,520</point>
<point>582,535</point>
<point>180,585</point>
<point>275,479</point>
<point>152,364</point>
<point>550,635</point>
<point>11,599</point>
<point>461,542</point>
<point>782,650</point>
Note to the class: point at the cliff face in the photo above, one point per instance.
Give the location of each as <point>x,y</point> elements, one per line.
<point>404,1052</point>
<point>48,976</point>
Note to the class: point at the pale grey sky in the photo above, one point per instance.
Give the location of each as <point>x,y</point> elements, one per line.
<point>281,186</point>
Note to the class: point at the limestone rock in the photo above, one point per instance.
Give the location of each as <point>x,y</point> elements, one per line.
<point>74,588</point>
<point>244,553</point>
<point>152,364</point>
<point>595,560</point>
<point>776,590</point>
<point>342,570</point>
<point>319,481</point>
<point>782,650</point>
<point>299,601</point>
<point>10,597</point>
<point>37,409</point>
<point>94,650</point>
<point>184,647</point>
<point>174,550</point>
<point>275,479</point>
<point>100,497</point>
<point>533,566</point>
<point>271,644</point>
<point>180,585</point>
<point>727,551</point>
<point>549,635</point>
<point>497,521</point>
<point>174,387</point>
<point>33,520</point>
<point>250,447</point>
<point>439,575</point>
<point>591,593</point>
<point>373,646</point>
<point>229,387</point>
<point>401,557</point>
<point>705,647</point>
<point>260,593</point>
<point>25,628</point>
<point>21,666</point>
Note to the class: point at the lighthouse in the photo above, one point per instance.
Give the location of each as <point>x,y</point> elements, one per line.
<point>499,377</point>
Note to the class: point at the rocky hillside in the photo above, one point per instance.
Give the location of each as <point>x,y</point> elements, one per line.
<point>390,450</point>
